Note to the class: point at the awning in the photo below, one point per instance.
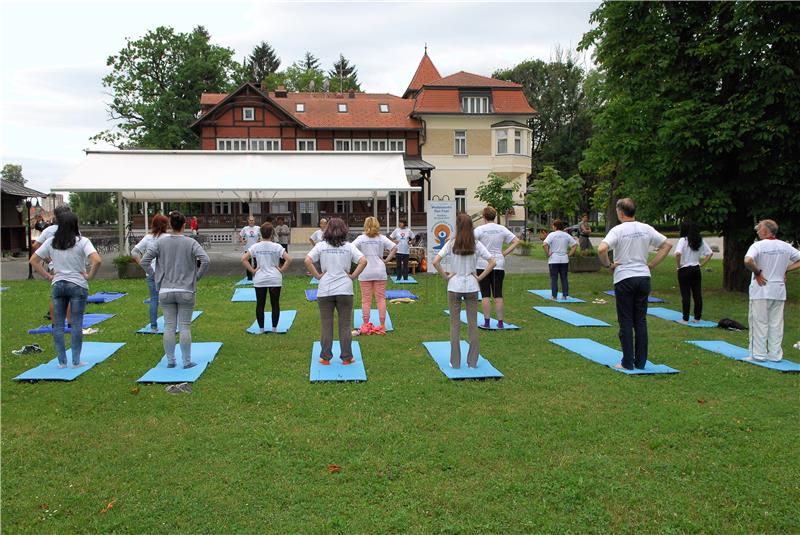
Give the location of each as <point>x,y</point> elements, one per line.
<point>147,175</point>
<point>18,190</point>
<point>416,164</point>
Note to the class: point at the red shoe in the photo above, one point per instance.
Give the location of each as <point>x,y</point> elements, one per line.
<point>325,362</point>
<point>379,330</point>
<point>348,362</point>
<point>367,328</point>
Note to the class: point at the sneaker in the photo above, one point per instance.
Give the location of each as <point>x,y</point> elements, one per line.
<point>348,362</point>
<point>171,365</point>
<point>325,362</point>
<point>367,328</point>
<point>486,323</point>
<point>500,324</point>
<point>190,365</point>
<point>380,329</point>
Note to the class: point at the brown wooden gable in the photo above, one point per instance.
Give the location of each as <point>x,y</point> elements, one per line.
<point>227,113</point>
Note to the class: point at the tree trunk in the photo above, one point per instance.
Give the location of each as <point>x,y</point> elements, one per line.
<point>611,209</point>
<point>736,241</point>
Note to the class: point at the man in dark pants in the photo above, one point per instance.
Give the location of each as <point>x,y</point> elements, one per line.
<point>631,242</point>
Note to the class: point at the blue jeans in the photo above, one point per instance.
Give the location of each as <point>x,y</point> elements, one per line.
<point>151,286</point>
<point>559,271</point>
<point>68,294</point>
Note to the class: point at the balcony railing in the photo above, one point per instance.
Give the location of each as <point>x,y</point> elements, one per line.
<point>228,221</point>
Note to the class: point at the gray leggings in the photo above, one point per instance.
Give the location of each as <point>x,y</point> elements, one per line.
<point>344,308</point>
<point>454,304</point>
<point>178,308</point>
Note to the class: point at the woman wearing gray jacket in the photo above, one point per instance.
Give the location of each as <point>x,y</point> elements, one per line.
<point>176,277</point>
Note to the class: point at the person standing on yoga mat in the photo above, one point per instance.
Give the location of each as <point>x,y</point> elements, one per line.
<point>269,275</point>
<point>373,279</point>
<point>70,282</point>
<point>159,226</point>
<point>559,246</point>
<point>691,254</point>
<point>631,242</point>
<point>46,234</point>
<point>769,259</point>
<point>462,285</point>
<point>336,256</point>
<point>248,237</point>
<point>181,263</point>
<point>402,236</point>
<point>493,237</point>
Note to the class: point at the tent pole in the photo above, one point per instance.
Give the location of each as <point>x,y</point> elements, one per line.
<point>408,208</point>
<point>388,222</point>
<point>146,223</point>
<point>397,209</point>
<point>120,221</point>
<point>375,204</point>
<point>126,215</point>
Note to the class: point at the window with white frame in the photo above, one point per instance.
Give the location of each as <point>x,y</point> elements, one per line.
<point>299,107</point>
<point>360,145</point>
<point>460,195</point>
<point>344,207</point>
<point>460,143</point>
<point>265,144</point>
<point>384,108</point>
<point>518,142</point>
<point>231,144</point>
<point>502,142</point>
<point>248,114</point>
<point>306,144</point>
<point>279,207</point>
<point>342,108</point>
<point>378,145</point>
<point>398,145</point>
<point>220,208</point>
<point>342,144</point>
<point>475,104</point>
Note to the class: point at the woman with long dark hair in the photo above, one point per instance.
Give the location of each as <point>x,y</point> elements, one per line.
<point>463,285</point>
<point>691,254</point>
<point>272,261</point>
<point>158,227</point>
<point>336,256</point>
<point>70,282</point>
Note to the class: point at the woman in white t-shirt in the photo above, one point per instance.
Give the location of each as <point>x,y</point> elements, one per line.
<point>691,254</point>
<point>462,285</point>
<point>248,237</point>
<point>559,246</point>
<point>268,277</point>
<point>158,226</point>
<point>373,279</point>
<point>70,287</point>
<point>336,256</point>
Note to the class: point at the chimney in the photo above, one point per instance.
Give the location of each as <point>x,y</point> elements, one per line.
<point>352,94</point>
<point>280,92</point>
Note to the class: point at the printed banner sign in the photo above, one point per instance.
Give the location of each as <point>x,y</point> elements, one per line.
<point>441,227</point>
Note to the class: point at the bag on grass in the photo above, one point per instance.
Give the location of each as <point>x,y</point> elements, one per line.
<point>731,325</point>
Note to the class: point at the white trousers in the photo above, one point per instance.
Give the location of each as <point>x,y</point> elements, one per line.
<point>766,329</point>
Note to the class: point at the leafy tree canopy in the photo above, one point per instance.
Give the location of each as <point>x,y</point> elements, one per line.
<point>497,192</point>
<point>553,195</point>
<point>13,173</point>
<point>343,76</point>
<point>94,208</point>
<point>262,62</point>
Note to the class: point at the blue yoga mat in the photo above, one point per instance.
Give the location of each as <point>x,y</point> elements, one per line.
<point>336,371</point>
<point>397,294</point>
<point>373,319</point>
<point>88,321</point>
<point>411,280</point>
<point>546,294</point>
<point>314,281</point>
<point>203,354</point>
<point>573,318</point>
<point>3,288</point>
<point>244,282</point>
<point>739,353</point>
<point>244,294</point>
<point>105,297</point>
<point>602,354</point>
<point>311,295</point>
<point>440,353</point>
<point>481,318</point>
<point>650,299</point>
<point>92,353</point>
<point>674,315</point>
<point>284,322</point>
<point>160,324</point>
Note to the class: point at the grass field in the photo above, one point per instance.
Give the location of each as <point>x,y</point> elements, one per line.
<point>558,445</point>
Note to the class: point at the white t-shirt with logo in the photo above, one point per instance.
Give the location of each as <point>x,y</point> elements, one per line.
<point>465,280</point>
<point>142,246</point>
<point>268,257</point>
<point>250,234</point>
<point>772,257</point>
<point>690,257</point>
<point>69,264</point>
<point>317,236</point>
<point>631,242</point>
<point>493,236</point>
<point>403,237</point>
<point>560,243</point>
<point>336,263</point>
<point>373,248</point>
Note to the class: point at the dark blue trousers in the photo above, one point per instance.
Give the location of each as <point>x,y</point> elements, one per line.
<point>631,295</point>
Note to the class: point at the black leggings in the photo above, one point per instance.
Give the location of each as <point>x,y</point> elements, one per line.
<point>255,266</point>
<point>274,303</point>
<point>402,266</point>
<point>689,279</point>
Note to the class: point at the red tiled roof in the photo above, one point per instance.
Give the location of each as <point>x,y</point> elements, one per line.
<point>426,72</point>
<point>211,99</point>
<point>322,110</point>
<point>467,79</point>
<point>510,102</point>
<point>441,100</point>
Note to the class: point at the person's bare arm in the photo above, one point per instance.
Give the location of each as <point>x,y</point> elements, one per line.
<point>95,260</point>
<point>362,263</point>
<point>661,254</point>
<point>706,259</point>
<point>602,253</point>
<point>311,268</point>
<point>546,250</point>
<point>287,259</point>
<point>391,254</point>
<point>572,250</point>
<point>511,247</point>
<point>37,262</point>
<point>750,264</point>
<point>437,264</point>
<point>246,262</point>
<point>490,264</point>
<point>792,267</point>
<point>678,259</point>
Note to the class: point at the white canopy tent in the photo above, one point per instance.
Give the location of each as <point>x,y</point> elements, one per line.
<point>197,176</point>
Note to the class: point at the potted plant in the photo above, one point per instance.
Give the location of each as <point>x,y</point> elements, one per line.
<point>127,268</point>
<point>524,248</point>
<point>585,261</point>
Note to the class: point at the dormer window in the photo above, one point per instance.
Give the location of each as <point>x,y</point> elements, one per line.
<point>342,108</point>
<point>384,108</point>
<point>476,104</point>
<point>248,114</point>
<point>300,107</point>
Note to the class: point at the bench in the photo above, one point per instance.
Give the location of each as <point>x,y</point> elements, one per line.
<point>415,256</point>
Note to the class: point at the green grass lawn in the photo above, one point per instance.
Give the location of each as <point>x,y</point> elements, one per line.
<point>558,445</point>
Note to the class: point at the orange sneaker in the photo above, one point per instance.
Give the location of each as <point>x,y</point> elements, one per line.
<point>379,330</point>
<point>324,362</point>
<point>348,362</point>
<point>366,328</point>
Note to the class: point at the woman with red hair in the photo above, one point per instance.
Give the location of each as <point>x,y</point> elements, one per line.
<point>158,226</point>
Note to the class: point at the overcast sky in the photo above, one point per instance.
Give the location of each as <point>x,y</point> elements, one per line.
<point>53,54</point>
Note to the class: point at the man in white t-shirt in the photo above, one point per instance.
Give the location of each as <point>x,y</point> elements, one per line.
<point>402,236</point>
<point>770,259</point>
<point>493,237</point>
<point>631,242</point>
<point>248,237</point>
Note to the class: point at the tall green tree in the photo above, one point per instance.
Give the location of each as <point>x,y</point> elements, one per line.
<point>94,207</point>
<point>262,62</point>
<point>303,75</point>
<point>309,62</point>
<point>13,173</point>
<point>700,114</point>
<point>554,195</point>
<point>343,76</point>
<point>498,193</point>
<point>155,85</point>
